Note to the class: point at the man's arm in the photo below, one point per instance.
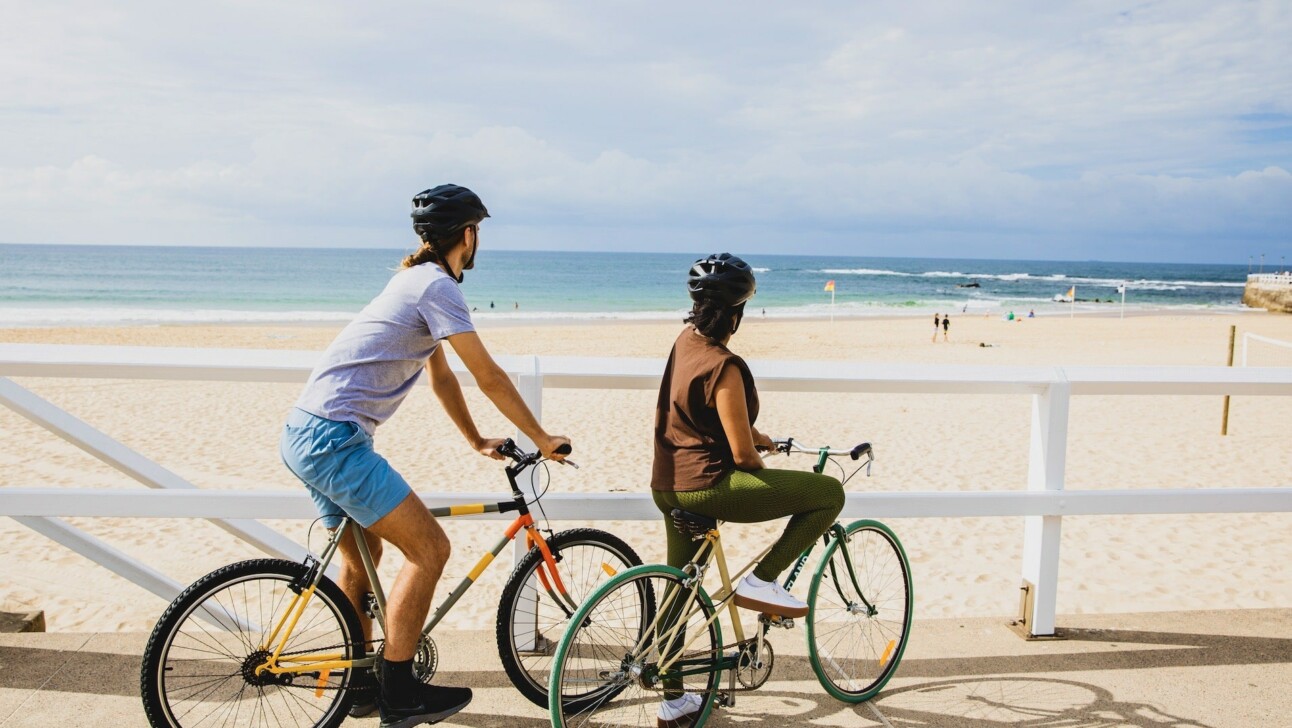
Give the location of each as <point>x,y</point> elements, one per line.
<point>446,388</point>
<point>497,386</point>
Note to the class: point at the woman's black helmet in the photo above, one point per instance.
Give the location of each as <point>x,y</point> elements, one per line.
<point>722,277</point>
<point>442,211</point>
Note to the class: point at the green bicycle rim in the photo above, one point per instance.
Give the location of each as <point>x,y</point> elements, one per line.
<point>817,578</point>
<point>553,681</point>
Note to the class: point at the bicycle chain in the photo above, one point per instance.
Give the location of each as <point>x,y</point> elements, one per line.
<point>322,687</point>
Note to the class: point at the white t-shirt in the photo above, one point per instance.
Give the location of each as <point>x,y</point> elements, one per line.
<point>373,363</point>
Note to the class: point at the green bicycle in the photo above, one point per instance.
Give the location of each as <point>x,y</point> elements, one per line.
<point>653,632</point>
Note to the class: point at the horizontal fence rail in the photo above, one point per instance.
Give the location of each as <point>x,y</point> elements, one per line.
<point>1042,504</point>
<point>85,502</point>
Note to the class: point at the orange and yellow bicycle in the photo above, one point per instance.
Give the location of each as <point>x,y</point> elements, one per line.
<point>271,642</point>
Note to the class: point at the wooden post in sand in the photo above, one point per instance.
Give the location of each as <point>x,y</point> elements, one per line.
<point>1224,422</point>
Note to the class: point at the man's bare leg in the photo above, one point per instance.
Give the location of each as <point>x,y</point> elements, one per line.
<point>415,532</point>
<point>353,578</point>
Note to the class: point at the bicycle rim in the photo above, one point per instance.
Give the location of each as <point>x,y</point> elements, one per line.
<point>206,674</point>
<point>855,649</point>
<point>537,622</point>
<point>612,658</point>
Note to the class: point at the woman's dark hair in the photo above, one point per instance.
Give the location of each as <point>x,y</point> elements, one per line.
<point>719,285</point>
<point>715,319</point>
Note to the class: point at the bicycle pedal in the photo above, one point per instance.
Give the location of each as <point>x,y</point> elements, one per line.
<point>775,620</point>
<point>725,700</point>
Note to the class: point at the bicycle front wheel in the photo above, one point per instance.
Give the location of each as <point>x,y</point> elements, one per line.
<point>533,615</point>
<point>859,612</point>
<point>645,636</point>
<point>199,666</point>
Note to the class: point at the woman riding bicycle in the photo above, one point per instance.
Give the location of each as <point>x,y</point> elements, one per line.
<point>362,378</point>
<point>706,452</point>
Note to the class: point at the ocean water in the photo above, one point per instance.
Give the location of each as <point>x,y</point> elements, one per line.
<point>44,285</point>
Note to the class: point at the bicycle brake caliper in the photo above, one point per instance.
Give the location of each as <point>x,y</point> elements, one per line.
<point>312,566</point>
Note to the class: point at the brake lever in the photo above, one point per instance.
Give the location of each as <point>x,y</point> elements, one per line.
<point>571,463</point>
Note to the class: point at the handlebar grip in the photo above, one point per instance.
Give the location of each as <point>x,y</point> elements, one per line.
<point>564,449</point>
<point>862,449</point>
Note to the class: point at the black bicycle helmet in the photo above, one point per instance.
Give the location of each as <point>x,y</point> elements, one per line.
<point>444,210</point>
<point>722,277</point>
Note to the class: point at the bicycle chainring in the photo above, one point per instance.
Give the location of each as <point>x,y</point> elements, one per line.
<point>425,661</point>
<point>754,665</point>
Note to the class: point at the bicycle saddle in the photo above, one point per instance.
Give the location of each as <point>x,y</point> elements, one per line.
<point>693,524</point>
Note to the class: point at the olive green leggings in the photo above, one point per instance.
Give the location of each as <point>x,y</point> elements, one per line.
<point>812,500</point>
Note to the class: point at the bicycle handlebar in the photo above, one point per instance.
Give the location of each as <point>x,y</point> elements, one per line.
<point>510,449</point>
<point>788,446</point>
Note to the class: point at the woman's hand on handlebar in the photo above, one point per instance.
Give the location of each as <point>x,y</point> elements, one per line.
<point>488,446</point>
<point>763,442</point>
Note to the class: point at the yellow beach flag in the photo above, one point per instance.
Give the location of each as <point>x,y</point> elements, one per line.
<point>829,286</point>
<point>1072,292</point>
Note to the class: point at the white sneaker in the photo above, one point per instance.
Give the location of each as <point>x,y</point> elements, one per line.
<point>768,597</point>
<point>679,713</point>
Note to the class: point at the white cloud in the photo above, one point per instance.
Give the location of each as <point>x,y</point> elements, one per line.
<point>313,123</point>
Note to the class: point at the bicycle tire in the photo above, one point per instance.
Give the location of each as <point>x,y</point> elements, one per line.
<point>529,671</point>
<point>241,599</point>
<point>592,653</point>
<point>835,620</point>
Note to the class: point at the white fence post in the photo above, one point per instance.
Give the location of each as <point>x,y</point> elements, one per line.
<point>1045,473</point>
<point>529,382</point>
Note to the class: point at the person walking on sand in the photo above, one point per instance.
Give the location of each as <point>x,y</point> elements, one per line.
<point>937,320</point>
<point>361,379</point>
<point>946,324</point>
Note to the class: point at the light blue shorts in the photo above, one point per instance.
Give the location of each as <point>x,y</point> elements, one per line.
<point>344,475</point>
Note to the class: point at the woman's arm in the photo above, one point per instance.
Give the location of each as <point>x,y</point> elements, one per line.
<point>497,386</point>
<point>729,400</point>
<point>446,388</point>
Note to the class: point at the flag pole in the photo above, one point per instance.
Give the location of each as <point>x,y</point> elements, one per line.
<point>1123,299</point>
<point>832,304</point>
<point>1073,310</point>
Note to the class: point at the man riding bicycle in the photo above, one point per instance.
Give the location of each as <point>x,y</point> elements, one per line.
<point>362,378</point>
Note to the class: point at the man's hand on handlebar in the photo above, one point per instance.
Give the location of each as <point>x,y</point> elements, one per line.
<point>555,448</point>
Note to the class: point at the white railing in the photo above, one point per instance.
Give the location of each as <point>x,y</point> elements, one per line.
<point>1043,504</point>
<point>1249,336</point>
<point>1270,279</point>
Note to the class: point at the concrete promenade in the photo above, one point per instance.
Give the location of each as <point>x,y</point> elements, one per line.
<point>1215,669</point>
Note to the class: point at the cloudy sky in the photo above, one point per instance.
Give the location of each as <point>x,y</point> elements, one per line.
<point>1104,130</point>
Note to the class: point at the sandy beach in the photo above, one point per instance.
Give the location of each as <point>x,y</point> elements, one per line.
<point>224,436</point>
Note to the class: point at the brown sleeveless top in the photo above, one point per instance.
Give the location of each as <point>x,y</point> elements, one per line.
<point>691,448</point>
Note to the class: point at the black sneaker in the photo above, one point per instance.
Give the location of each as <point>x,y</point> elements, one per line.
<point>364,688</point>
<point>434,704</point>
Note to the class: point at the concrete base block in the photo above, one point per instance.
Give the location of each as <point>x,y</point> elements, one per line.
<point>22,622</point>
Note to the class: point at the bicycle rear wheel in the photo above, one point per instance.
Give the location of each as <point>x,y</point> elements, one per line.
<point>532,618</point>
<point>859,618</point>
<point>199,666</point>
<point>607,668</point>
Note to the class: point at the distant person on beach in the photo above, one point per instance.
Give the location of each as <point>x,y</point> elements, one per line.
<point>946,325</point>
<point>362,378</point>
<point>706,455</point>
<point>1031,314</point>
<point>937,321</point>
<point>515,306</point>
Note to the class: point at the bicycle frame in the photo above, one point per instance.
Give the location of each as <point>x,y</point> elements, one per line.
<point>724,597</point>
<point>324,663</point>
